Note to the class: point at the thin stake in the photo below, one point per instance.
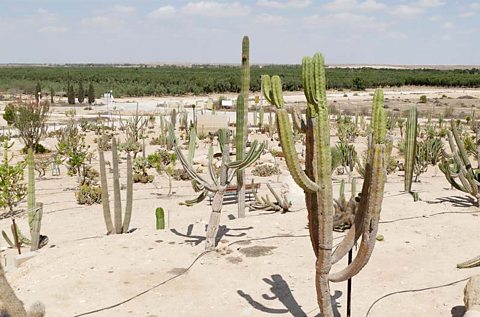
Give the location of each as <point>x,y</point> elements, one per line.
<point>349,287</point>
<point>15,237</point>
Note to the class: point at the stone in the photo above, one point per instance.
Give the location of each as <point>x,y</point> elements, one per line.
<point>24,257</point>
<point>472,296</point>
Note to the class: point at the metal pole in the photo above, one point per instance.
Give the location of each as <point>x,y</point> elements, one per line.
<point>349,287</point>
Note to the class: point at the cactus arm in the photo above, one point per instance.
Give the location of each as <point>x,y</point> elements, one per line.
<point>129,203</point>
<point>197,200</point>
<point>274,193</point>
<point>105,199</point>
<point>470,263</point>
<point>311,197</point>
<point>252,155</point>
<point>191,145</point>
<point>410,147</point>
<point>298,122</point>
<point>461,147</point>
<point>272,90</point>
<point>288,146</point>
<point>7,239</point>
<point>117,202</point>
<point>371,219</point>
<point>191,172</point>
<point>210,166</point>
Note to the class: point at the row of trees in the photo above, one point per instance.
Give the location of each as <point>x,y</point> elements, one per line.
<point>80,94</point>
<point>173,80</point>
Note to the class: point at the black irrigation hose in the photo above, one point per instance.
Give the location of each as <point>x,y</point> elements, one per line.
<point>178,275</point>
<point>145,291</point>
<point>413,291</point>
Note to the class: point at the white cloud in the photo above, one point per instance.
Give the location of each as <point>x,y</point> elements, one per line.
<point>53,29</point>
<point>406,11</point>
<point>436,18</point>
<point>271,19</point>
<point>397,35</point>
<point>216,9</point>
<point>299,4</point>
<point>343,20</point>
<point>430,3</point>
<point>467,14</point>
<point>475,5</point>
<point>448,25</point>
<point>163,12</point>
<point>121,9</point>
<point>354,5</point>
<point>96,21</point>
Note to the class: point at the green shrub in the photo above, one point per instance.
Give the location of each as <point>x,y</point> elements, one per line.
<point>265,170</point>
<point>89,195</point>
<point>9,114</point>
<point>423,99</point>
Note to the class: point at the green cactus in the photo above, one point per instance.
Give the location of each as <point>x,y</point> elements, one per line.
<point>410,148</point>
<point>315,179</point>
<point>261,115</point>
<point>459,166</point>
<point>35,226</point>
<point>220,182</point>
<point>160,218</point>
<point>242,122</point>
<point>117,226</point>
<point>31,186</point>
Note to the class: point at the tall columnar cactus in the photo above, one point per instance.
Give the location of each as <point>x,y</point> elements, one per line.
<point>242,122</point>
<point>410,148</point>
<point>219,183</point>
<point>261,115</point>
<point>31,186</point>
<point>315,178</point>
<point>459,166</point>
<point>117,226</point>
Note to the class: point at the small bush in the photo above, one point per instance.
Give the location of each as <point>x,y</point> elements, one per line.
<point>89,195</point>
<point>40,149</point>
<point>9,114</point>
<point>423,99</point>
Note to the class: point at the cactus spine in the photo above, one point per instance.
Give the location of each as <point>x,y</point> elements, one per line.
<point>242,122</point>
<point>316,180</point>
<point>117,226</point>
<point>411,147</point>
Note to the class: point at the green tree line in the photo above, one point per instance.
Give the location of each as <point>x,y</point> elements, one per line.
<point>200,79</point>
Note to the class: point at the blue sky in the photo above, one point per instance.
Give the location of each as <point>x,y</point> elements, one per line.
<point>280,31</point>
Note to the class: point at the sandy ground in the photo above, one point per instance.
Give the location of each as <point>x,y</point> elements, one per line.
<point>264,266</point>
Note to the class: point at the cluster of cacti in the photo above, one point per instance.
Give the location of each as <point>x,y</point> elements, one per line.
<point>348,155</point>
<point>134,128</point>
<point>117,226</point>
<point>219,182</point>
<point>173,117</point>
<point>315,178</point>
<point>392,120</point>
<point>458,165</point>
<point>282,203</point>
<point>241,134</point>
<point>410,148</point>
<point>346,129</point>
<point>183,120</point>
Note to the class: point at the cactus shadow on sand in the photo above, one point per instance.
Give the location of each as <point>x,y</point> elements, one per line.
<point>223,231</point>
<point>281,291</point>
<point>456,201</point>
